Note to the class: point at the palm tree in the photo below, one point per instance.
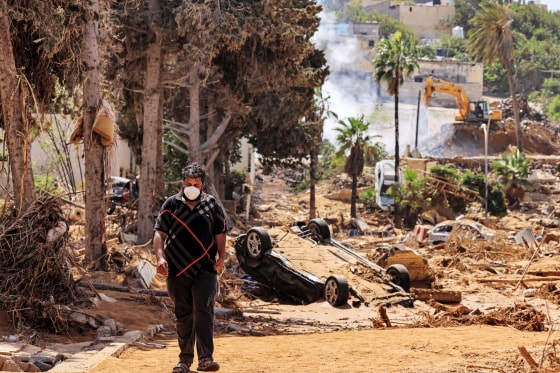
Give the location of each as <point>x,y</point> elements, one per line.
<point>316,121</point>
<point>395,57</point>
<point>491,39</point>
<point>352,136</point>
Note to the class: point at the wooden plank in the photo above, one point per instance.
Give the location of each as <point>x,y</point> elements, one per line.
<point>511,280</point>
<point>442,296</point>
<point>528,358</point>
<point>146,272</point>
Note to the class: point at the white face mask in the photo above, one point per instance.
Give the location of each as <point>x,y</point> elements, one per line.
<point>191,193</point>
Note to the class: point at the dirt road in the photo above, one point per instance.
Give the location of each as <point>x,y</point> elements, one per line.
<point>460,349</point>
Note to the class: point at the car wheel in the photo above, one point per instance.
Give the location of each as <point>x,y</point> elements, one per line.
<point>319,229</point>
<point>398,274</point>
<point>258,242</point>
<point>336,291</point>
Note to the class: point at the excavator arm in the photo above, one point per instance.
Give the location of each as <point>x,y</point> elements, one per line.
<point>443,86</point>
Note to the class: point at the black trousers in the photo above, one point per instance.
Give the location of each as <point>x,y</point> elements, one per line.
<point>194,312</point>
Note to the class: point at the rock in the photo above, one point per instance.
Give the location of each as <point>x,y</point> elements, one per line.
<point>104,331</point>
<point>112,324</point>
<point>11,366</point>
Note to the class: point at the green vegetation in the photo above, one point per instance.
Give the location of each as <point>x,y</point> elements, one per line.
<point>367,197</point>
<point>416,195</point>
<point>512,171</point>
<point>375,153</point>
<point>353,12</point>
<point>48,183</point>
<point>411,197</point>
<point>474,182</point>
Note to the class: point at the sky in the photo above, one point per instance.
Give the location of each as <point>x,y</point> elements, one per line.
<point>552,5</point>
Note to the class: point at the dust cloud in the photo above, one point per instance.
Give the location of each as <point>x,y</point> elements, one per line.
<point>352,92</point>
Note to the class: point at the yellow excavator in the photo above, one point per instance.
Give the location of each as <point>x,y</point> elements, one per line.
<point>476,111</point>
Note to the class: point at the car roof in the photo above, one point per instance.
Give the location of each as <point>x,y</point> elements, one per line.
<point>470,222</point>
<point>387,167</point>
<point>119,180</point>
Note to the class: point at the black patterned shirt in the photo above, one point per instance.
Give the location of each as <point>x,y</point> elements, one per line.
<point>190,245</point>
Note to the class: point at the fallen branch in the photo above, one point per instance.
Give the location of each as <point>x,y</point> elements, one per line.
<point>484,367</point>
<point>253,310</point>
<point>73,203</point>
<point>505,280</point>
<point>528,358</point>
<point>125,289</point>
<point>384,317</point>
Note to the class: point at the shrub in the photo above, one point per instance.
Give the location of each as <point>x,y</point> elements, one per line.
<point>367,197</point>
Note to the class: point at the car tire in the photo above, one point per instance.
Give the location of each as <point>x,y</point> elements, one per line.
<point>336,291</point>
<point>398,275</point>
<point>319,229</point>
<point>258,242</point>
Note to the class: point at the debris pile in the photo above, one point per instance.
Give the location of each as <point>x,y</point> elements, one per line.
<point>527,112</point>
<point>35,278</point>
<point>519,316</point>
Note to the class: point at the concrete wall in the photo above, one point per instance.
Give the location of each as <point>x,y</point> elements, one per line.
<point>44,157</point>
<point>355,39</point>
<point>427,21</point>
<point>466,74</point>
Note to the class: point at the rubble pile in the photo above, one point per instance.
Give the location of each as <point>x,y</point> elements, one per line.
<point>527,111</point>
<point>519,316</point>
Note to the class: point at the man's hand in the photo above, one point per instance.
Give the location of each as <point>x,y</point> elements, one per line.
<point>219,264</point>
<point>162,267</point>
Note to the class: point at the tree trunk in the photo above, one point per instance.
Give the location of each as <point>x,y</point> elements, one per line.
<point>94,152</point>
<point>314,161</point>
<point>515,106</point>
<point>354,195</point>
<point>13,95</point>
<point>160,186</point>
<point>397,156</point>
<point>152,132</point>
<point>194,83</point>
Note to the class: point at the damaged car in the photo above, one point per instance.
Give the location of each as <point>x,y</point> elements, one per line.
<point>267,263</point>
<point>258,259</point>
<point>463,228</point>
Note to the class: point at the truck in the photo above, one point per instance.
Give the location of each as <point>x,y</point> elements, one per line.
<point>469,111</point>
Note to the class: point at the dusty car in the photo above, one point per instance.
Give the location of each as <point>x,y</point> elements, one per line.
<point>258,259</point>
<point>384,177</point>
<point>123,191</point>
<point>464,228</point>
<point>261,259</point>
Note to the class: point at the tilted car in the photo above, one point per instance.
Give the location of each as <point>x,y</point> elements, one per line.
<point>257,257</point>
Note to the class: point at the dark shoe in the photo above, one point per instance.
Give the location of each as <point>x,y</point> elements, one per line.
<point>208,366</point>
<point>181,368</point>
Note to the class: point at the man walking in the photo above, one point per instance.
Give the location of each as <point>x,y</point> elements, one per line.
<point>189,232</point>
